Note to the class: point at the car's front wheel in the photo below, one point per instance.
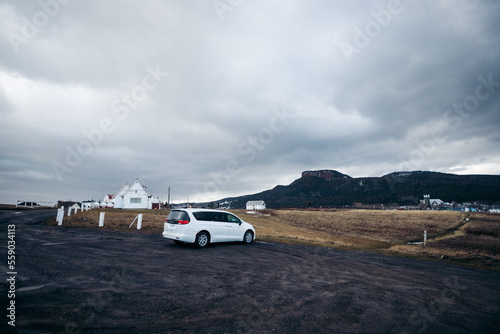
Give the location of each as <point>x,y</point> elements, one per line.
<point>248,237</point>
<point>202,239</point>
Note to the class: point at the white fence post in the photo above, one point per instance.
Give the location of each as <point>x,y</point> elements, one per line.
<point>69,211</point>
<point>425,237</point>
<point>60,215</point>
<point>139,221</point>
<point>101,219</point>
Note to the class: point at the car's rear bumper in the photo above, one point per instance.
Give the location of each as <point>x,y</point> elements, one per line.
<point>177,236</point>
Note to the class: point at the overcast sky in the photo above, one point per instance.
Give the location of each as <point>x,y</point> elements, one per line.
<point>232,97</point>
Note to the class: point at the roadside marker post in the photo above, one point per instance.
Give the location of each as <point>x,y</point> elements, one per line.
<point>425,237</point>
<point>139,221</point>
<point>60,216</point>
<point>101,219</point>
<point>69,211</point>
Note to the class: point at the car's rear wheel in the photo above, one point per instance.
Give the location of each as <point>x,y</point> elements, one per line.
<point>248,237</point>
<point>202,239</point>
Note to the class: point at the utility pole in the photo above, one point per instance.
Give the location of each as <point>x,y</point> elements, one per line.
<point>168,198</point>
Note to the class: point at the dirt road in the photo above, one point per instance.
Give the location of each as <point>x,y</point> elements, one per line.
<point>95,281</point>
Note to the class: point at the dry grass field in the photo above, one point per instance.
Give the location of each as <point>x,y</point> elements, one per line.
<point>152,220</point>
<point>466,238</point>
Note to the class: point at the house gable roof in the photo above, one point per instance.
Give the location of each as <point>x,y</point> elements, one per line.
<point>255,203</point>
<point>123,190</point>
<point>137,186</point>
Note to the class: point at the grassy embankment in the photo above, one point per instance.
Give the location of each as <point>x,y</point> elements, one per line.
<point>466,238</point>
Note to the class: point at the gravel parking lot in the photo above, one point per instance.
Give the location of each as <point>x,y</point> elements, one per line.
<point>72,280</point>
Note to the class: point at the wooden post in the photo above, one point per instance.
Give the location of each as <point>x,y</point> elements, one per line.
<point>101,219</point>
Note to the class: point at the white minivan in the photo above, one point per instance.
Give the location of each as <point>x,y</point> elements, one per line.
<point>204,226</point>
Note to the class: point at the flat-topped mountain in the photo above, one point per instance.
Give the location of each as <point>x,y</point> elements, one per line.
<point>330,188</point>
<point>326,174</point>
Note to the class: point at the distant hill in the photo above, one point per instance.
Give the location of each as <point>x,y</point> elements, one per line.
<point>330,188</point>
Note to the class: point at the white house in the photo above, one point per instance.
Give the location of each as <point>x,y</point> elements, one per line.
<point>133,197</point>
<point>90,204</point>
<point>256,205</point>
<point>436,202</point>
<point>118,198</point>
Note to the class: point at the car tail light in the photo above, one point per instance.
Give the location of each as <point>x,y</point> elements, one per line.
<point>183,222</point>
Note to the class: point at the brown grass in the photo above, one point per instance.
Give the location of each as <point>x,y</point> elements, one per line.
<point>384,226</point>
<point>476,242</point>
<point>450,236</point>
<point>152,220</point>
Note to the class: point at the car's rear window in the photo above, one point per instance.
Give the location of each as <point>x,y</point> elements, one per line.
<point>176,215</point>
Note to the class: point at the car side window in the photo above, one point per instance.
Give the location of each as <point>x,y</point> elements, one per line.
<point>202,216</point>
<point>232,219</point>
<point>220,217</point>
<point>216,217</point>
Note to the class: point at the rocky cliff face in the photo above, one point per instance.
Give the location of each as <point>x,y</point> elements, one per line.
<point>326,174</point>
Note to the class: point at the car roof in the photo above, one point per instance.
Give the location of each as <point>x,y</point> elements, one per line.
<point>198,209</point>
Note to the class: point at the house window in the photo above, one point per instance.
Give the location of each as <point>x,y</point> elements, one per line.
<point>135,200</point>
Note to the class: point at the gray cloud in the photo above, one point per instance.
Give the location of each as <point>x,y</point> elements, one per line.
<point>79,77</point>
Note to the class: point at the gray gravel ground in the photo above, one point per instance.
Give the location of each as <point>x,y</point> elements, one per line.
<point>72,280</point>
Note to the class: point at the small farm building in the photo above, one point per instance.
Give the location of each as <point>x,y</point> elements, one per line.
<point>90,204</point>
<point>256,205</point>
<point>75,206</point>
